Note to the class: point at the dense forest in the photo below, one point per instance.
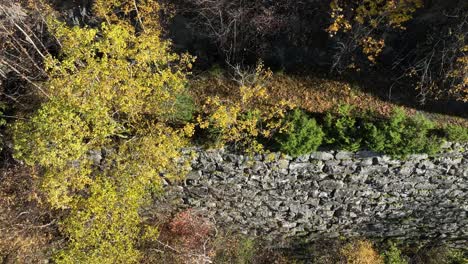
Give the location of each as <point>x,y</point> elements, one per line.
<point>101,101</point>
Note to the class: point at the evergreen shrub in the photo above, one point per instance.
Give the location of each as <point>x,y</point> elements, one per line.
<point>302,134</point>
<point>402,135</point>
<point>341,129</point>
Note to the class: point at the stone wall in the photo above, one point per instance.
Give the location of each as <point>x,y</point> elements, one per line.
<point>331,194</point>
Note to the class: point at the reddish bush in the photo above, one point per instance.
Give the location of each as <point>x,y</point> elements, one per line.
<point>190,229</point>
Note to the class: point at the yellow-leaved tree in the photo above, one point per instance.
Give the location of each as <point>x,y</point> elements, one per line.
<point>103,137</point>
<point>248,115</point>
<point>360,24</point>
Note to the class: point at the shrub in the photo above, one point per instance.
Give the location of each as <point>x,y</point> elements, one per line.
<point>456,256</point>
<point>419,136</point>
<point>103,228</point>
<point>402,135</point>
<point>216,71</point>
<point>21,241</point>
<point>440,255</point>
<point>456,133</point>
<point>190,229</point>
<point>236,249</point>
<point>393,255</point>
<point>302,134</point>
<point>245,251</point>
<point>375,139</point>
<point>341,130</point>
<point>247,116</point>
<point>185,237</point>
<point>361,252</point>
<point>184,108</point>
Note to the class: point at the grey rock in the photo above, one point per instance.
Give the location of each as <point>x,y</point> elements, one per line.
<point>344,155</point>
<point>333,167</point>
<point>362,194</point>
<point>303,158</point>
<point>296,166</point>
<point>322,156</point>
<point>211,204</point>
<point>418,157</point>
<point>366,154</point>
<point>356,178</point>
<point>381,160</point>
<point>95,156</point>
<point>283,164</point>
<point>366,162</point>
<point>406,170</point>
<point>194,175</point>
<point>425,186</point>
<point>330,185</point>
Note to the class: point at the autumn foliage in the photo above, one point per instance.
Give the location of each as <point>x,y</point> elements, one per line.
<point>96,114</point>
<point>110,93</point>
<point>190,229</point>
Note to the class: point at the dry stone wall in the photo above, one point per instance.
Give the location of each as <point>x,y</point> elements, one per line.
<point>330,194</point>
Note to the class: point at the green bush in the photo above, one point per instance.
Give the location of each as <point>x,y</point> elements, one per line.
<point>393,255</point>
<point>440,255</point>
<point>216,71</point>
<point>341,130</point>
<point>455,256</point>
<point>456,133</point>
<point>303,134</point>
<point>374,137</point>
<point>402,135</point>
<point>183,108</point>
<point>239,250</point>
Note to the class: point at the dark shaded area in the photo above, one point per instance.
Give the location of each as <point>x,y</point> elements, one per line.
<point>290,36</point>
<point>299,44</point>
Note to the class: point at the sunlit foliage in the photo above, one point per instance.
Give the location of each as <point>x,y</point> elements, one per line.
<point>361,252</point>
<point>362,22</point>
<point>112,91</point>
<point>459,76</point>
<point>247,117</point>
<point>373,13</point>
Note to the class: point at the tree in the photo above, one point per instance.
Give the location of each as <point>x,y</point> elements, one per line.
<point>250,114</point>
<point>432,61</point>
<point>104,136</point>
<point>359,25</point>
<point>244,31</point>
<point>437,64</point>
